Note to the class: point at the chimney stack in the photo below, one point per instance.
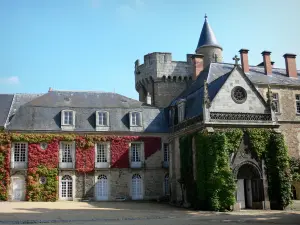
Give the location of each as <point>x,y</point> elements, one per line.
<point>267,62</point>
<point>290,65</point>
<point>148,99</point>
<point>197,65</point>
<point>244,58</point>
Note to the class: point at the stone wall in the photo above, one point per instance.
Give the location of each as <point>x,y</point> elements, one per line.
<point>287,118</point>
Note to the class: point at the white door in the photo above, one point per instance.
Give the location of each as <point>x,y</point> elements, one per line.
<point>67,188</point>
<point>136,187</point>
<point>241,193</point>
<point>18,189</point>
<point>101,188</point>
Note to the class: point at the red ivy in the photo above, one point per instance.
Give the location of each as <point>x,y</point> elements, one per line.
<point>38,156</point>
<point>85,159</point>
<point>4,171</point>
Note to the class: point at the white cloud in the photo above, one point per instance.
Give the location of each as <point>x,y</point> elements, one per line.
<point>13,80</point>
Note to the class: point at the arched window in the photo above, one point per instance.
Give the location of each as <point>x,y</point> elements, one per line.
<point>166,185</point>
<point>136,187</point>
<point>67,187</point>
<point>294,193</point>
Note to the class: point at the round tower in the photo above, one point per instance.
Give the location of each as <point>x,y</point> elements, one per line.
<point>208,45</point>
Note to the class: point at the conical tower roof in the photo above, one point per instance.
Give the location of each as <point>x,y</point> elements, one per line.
<point>207,37</point>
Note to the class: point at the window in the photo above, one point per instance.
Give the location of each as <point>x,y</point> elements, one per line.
<point>166,155</point>
<point>67,119</point>
<point>102,118</point>
<point>276,102</point>
<point>239,95</point>
<point>19,155</point>
<point>181,110</point>
<point>298,103</point>
<point>135,152</point>
<point>135,119</point>
<point>67,155</point>
<point>136,155</point>
<point>102,155</point>
<point>20,150</point>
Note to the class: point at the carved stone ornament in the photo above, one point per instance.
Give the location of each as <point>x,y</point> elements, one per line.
<point>206,95</point>
<point>270,98</point>
<point>43,145</point>
<point>43,180</point>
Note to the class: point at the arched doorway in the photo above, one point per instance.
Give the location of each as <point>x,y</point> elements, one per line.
<point>67,188</point>
<point>101,188</point>
<point>249,186</point>
<point>136,187</point>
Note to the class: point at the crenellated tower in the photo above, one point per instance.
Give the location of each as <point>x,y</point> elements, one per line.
<point>159,79</point>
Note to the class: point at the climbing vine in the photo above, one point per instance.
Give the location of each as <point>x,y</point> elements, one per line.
<point>43,163</point>
<point>295,169</point>
<point>214,181</point>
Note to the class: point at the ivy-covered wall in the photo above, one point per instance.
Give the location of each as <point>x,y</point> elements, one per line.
<point>215,185</point>
<point>45,162</point>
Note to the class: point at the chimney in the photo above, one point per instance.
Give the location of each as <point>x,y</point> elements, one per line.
<point>50,89</point>
<point>290,65</point>
<point>197,65</point>
<point>244,58</point>
<point>148,99</point>
<point>267,62</point>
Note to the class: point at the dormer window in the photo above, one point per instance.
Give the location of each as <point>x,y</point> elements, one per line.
<point>102,121</point>
<point>181,110</point>
<point>67,119</point>
<point>135,119</point>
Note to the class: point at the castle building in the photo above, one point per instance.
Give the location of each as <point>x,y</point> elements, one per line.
<point>72,145</point>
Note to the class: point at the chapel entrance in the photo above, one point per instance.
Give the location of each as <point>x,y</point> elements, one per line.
<point>249,187</point>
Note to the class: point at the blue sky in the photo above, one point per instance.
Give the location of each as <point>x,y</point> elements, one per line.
<point>92,44</point>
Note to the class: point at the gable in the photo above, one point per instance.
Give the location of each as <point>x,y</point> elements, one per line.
<point>224,100</point>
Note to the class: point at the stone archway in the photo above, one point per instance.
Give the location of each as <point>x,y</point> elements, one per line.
<point>249,186</point>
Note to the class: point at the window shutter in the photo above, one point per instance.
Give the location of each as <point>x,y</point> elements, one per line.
<point>142,152</point>
<point>130,118</point>
<point>130,152</point>
<point>97,118</point>
<point>74,116</point>
<point>60,151</point>
<point>108,154</point>
<point>12,156</point>
<point>96,147</point>
<point>62,117</point>
<point>73,153</point>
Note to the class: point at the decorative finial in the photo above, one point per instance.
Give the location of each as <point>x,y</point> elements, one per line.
<point>205,16</point>
<point>236,59</point>
<point>270,98</point>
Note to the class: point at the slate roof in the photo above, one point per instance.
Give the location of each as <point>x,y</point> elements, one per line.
<point>207,36</point>
<point>43,113</point>
<point>216,75</point>
<point>5,104</point>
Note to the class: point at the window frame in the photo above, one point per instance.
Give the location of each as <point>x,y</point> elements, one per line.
<point>106,164</point>
<point>136,164</point>
<point>66,126</point>
<point>98,119</point>
<point>67,165</point>
<point>297,101</point>
<point>137,123</point>
<point>276,102</point>
<point>166,155</point>
<point>19,164</point>
<point>181,110</point>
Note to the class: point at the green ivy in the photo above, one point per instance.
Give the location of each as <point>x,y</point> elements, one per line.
<point>295,169</point>
<point>215,186</point>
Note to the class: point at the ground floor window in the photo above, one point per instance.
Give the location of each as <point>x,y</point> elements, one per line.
<point>67,187</point>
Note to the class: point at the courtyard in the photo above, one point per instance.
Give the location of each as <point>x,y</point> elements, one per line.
<point>134,213</point>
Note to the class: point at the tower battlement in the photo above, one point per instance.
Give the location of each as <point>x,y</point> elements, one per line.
<point>158,70</point>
